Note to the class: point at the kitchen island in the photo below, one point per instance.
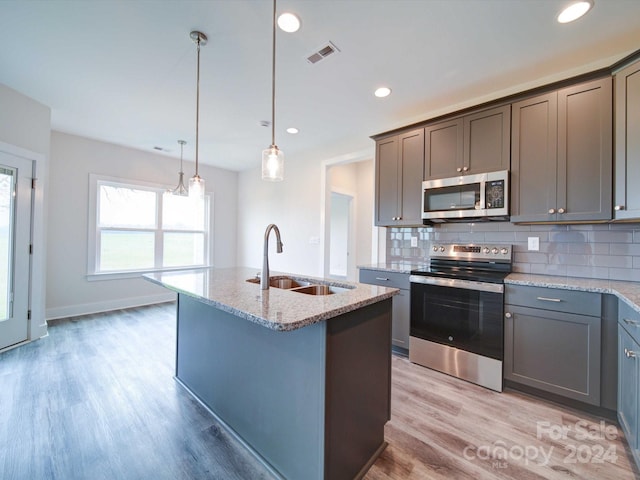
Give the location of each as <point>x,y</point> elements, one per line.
<point>302,380</point>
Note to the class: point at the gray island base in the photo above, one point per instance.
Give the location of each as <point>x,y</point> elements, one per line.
<point>310,402</point>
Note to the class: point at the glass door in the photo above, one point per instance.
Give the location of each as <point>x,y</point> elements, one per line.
<point>15,235</point>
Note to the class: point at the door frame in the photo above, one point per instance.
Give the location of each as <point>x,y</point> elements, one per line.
<point>377,233</point>
<point>36,325</point>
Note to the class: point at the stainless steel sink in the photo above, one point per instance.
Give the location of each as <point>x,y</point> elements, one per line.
<point>301,286</point>
<point>319,290</point>
<point>282,282</point>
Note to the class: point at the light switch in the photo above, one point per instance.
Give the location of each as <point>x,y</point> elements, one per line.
<point>414,241</point>
<point>534,243</point>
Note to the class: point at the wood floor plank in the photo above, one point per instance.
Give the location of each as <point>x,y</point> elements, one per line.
<point>96,399</point>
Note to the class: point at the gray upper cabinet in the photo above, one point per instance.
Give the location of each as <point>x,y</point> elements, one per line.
<point>561,155</point>
<point>474,143</point>
<point>443,149</point>
<point>399,164</point>
<point>627,143</point>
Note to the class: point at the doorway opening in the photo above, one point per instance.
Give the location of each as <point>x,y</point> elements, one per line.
<point>340,235</point>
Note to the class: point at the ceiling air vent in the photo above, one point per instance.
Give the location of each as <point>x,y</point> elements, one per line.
<point>322,53</point>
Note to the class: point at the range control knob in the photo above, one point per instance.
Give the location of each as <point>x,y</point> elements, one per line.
<point>494,251</point>
<point>442,249</point>
<point>505,250</point>
<point>486,250</point>
<point>435,248</point>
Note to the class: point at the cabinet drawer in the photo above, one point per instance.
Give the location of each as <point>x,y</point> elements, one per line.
<point>556,299</point>
<point>384,279</point>
<point>629,319</point>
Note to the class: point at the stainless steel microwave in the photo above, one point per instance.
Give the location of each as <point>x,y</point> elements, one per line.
<point>483,196</point>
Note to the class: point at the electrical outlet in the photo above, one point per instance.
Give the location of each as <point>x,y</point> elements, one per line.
<point>414,241</point>
<point>534,243</point>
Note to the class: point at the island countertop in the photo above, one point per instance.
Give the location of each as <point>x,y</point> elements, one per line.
<point>277,309</point>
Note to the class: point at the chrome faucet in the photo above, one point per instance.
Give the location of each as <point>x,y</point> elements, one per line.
<point>264,279</point>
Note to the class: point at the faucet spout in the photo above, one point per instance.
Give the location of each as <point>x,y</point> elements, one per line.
<point>264,278</point>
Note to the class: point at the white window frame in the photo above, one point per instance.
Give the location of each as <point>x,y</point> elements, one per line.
<point>93,247</point>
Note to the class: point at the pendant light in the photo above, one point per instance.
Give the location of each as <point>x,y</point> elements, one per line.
<point>180,189</point>
<point>273,157</point>
<point>196,183</point>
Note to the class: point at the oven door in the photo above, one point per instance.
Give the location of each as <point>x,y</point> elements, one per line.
<point>459,313</point>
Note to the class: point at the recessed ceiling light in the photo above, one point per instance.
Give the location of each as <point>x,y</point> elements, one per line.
<point>574,11</point>
<point>288,22</point>
<point>382,92</point>
<point>292,130</point>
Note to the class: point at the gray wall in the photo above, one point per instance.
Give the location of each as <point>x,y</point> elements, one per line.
<point>607,251</point>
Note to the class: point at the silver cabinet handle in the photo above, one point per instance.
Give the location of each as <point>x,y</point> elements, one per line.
<point>547,299</point>
<point>629,353</point>
<point>552,211</point>
<point>507,315</point>
<point>561,210</point>
<point>382,279</point>
<point>617,208</point>
<point>633,323</point>
<point>459,169</point>
<point>465,169</point>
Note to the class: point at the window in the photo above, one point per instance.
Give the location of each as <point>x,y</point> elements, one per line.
<point>137,227</point>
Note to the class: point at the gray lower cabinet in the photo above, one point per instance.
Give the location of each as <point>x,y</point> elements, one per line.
<point>553,341</point>
<point>629,376</point>
<point>401,303</point>
<point>627,156</point>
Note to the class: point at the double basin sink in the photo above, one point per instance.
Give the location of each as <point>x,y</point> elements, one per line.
<point>301,286</point>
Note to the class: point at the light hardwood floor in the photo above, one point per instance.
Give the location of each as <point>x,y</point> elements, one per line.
<point>96,400</point>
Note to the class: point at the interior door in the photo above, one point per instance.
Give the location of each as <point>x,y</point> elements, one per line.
<point>15,238</point>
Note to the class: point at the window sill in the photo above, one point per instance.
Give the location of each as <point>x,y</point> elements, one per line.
<point>97,277</point>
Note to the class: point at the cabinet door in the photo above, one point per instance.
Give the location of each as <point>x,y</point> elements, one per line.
<point>443,149</point>
<point>412,162</point>
<point>534,159</point>
<point>585,151</point>
<point>628,386</point>
<point>387,181</point>
<point>487,140</point>
<point>400,320</point>
<point>627,161</point>
<point>556,352</point>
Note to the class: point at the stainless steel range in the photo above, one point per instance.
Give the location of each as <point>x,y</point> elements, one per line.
<point>457,305</point>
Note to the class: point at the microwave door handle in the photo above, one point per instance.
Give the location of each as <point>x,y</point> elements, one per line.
<point>483,184</point>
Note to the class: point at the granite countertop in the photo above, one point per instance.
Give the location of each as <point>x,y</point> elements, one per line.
<point>277,309</point>
<point>398,267</point>
<point>628,292</point>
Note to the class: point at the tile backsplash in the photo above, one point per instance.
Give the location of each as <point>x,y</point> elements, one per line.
<point>604,251</point>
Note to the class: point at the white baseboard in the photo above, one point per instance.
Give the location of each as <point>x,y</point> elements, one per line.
<point>106,306</point>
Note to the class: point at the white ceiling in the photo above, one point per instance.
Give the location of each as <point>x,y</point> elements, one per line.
<point>123,71</point>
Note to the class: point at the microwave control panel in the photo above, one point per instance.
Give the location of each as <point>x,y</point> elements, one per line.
<point>494,194</point>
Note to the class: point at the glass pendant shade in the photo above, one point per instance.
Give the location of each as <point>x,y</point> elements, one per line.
<point>273,164</point>
<point>196,187</point>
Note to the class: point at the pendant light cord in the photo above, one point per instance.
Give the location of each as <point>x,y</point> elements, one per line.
<point>273,80</point>
<point>197,103</point>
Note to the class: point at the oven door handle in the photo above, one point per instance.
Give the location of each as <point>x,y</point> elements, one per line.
<point>457,283</point>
